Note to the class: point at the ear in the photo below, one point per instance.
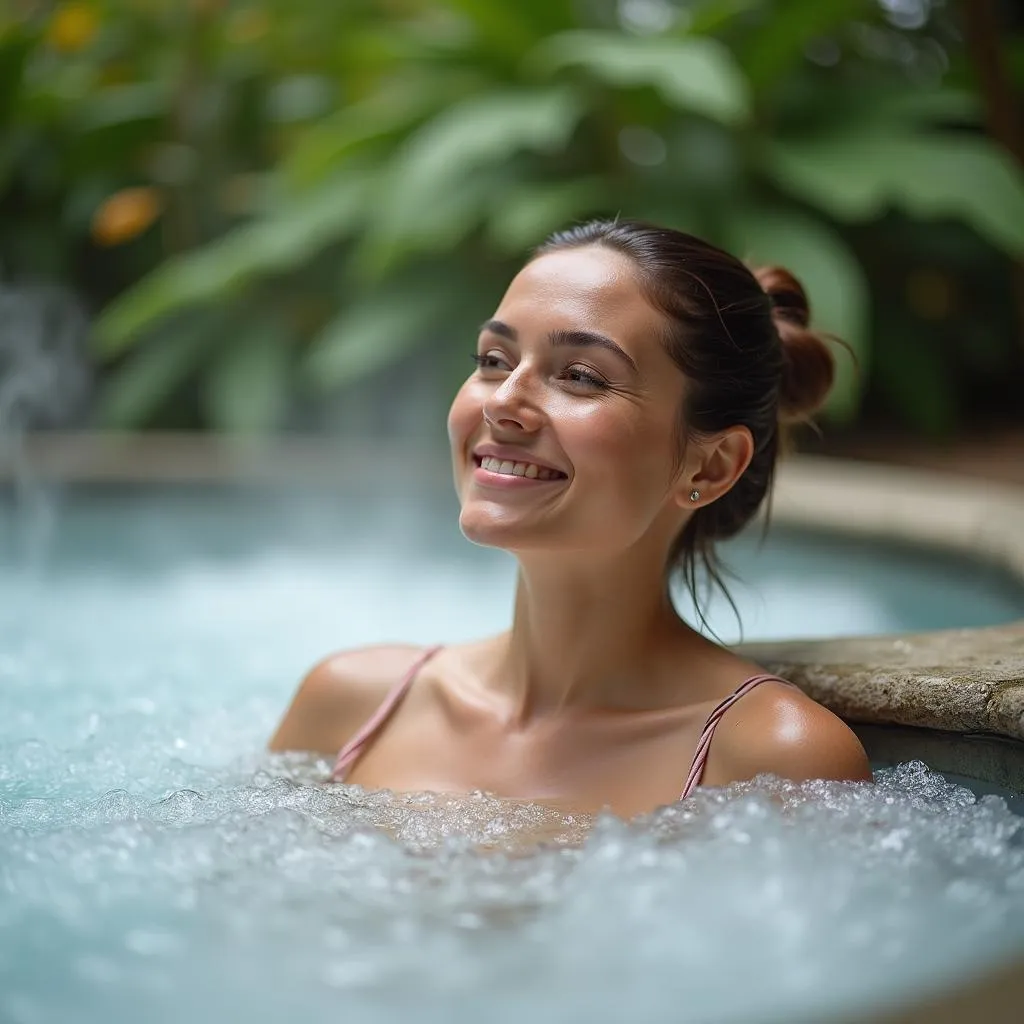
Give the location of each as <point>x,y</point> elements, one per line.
<point>714,465</point>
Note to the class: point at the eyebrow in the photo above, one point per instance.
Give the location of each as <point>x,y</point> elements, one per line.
<point>572,339</point>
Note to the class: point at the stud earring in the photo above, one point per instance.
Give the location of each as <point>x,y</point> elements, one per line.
<point>695,495</point>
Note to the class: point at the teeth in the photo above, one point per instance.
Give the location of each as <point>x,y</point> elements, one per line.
<point>508,468</point>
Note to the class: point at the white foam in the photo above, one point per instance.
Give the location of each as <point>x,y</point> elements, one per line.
<point>814,897</point>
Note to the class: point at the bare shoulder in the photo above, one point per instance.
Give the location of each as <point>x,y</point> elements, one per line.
<point>778,729</point>
<point>339,694</point>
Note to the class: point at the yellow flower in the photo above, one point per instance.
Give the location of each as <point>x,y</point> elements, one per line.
<point>126,214</point>
<point>72,27</point>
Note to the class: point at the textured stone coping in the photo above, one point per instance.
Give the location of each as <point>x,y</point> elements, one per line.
<point>962,680</point>
<point>958,680</point>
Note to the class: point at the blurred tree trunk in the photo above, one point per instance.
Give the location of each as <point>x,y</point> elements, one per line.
<point>1002,110</point>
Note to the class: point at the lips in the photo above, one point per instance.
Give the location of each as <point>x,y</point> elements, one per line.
<point>529,470</point>
<point>512,461</point>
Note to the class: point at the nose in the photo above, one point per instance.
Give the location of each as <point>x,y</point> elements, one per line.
<point>512,404</point>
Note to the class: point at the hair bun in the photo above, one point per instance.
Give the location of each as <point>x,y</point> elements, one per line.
<point>808,365</point>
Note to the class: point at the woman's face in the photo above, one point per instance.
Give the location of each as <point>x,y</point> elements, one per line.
<point>564,437</point>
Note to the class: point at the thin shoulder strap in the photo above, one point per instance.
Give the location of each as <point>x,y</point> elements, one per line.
<point>351,751</point>
<point>704,744</point>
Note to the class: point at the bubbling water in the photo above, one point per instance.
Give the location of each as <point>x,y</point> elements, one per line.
<point>274,893</point>
<point>155,866</point>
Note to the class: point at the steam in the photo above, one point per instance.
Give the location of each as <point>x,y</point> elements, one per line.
<point>45,383</point>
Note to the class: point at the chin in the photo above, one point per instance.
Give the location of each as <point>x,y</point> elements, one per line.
<point>489,528</point>
<point>485,529</point>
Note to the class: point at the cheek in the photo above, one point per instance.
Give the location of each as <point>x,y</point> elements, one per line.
<point>465,414</point>
<point>632,456</point>
<point>632,443</point>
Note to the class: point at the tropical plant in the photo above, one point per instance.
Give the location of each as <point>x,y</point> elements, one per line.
<point>333,188</point>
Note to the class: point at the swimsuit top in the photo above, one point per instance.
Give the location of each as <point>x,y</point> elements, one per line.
<point>349,753</point>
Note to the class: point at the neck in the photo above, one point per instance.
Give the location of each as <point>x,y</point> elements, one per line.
<point>583,632</point>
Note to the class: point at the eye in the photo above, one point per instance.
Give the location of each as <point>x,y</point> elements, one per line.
<point>581,375</point>
<point>489,361</point>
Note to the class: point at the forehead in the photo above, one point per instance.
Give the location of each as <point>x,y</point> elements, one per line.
<point>591,288</point>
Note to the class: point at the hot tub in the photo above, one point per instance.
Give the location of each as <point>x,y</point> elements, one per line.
<point>158,865</point>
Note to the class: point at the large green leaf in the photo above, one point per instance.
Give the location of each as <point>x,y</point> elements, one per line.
<point>512,27</point>
<point>437,226</point>
<point>503,25</point>
<point>246,388</point>
<point>777,46</point>
<point>854,175</point>
<point>881,105</point>
<point>527,214</point>
<point>692,73</point>
<point>483,129</point>
<point>393,109</point>
<point>832,277</point>
<point>374,332</point>
<point>117,104</point>
<point>919,107</point>
<point>135,391</point>
<point>278,243</point>
<point>714,15</point>
<point>453,168</point>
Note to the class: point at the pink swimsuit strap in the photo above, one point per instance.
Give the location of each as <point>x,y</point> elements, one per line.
<point>704,743</point>
<point>349,753</point>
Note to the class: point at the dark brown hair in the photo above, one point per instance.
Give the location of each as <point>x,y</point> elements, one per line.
<point>742,339</point>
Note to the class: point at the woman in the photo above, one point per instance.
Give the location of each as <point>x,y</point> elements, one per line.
<point>623,416</point>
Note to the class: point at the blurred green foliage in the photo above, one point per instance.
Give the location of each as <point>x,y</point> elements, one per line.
<point>265,202</point>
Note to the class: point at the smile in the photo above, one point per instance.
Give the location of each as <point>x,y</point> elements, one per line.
<point>528,470</point>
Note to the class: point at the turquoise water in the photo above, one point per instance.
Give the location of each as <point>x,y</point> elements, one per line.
<point>156,865</point>
<point>791,584</point>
